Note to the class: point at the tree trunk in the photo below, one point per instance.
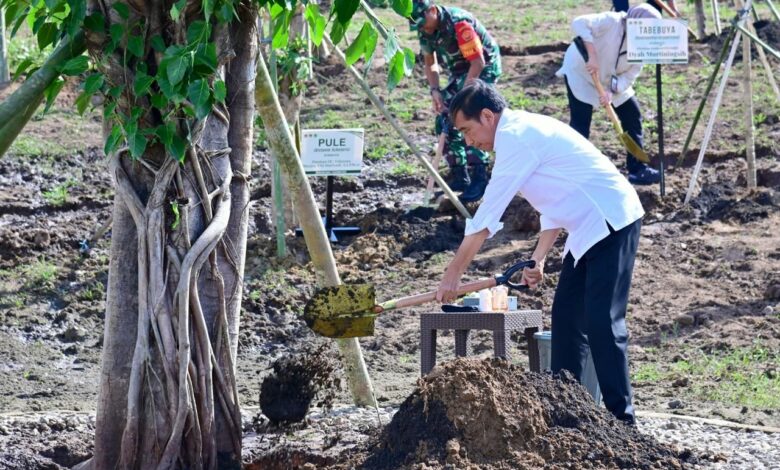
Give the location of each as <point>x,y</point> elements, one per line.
<point>281,142</point>
<point>167,390</point>
<point>5,74</point>
<point>701,19</point>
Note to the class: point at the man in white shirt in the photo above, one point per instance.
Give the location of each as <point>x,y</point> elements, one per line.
<point>576,188</point>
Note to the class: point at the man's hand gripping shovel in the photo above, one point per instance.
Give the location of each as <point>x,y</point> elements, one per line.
<point>349,310</point>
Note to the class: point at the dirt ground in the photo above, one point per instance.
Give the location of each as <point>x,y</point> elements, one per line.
<point>706,281</point>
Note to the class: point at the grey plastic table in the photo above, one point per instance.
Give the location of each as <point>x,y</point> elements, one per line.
<point>500,323</point>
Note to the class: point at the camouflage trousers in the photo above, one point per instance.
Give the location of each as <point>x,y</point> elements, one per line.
<point>455,149</point>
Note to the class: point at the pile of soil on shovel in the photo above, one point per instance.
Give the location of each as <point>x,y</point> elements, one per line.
<point>297,379</point>
<point>490,414</point>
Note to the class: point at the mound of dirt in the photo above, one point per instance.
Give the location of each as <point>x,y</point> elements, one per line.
<point>287,393</point>
<point>490,414</point>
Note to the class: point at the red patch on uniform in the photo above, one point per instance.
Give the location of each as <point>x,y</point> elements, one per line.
<point>468,42</point>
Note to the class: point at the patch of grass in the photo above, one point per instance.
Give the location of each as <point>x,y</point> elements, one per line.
<point>94,291</point>
<point>58,195</point>
<point>377,152</point>
<point>41,273</point>
<point>32,146</point>
<point>745,376</point>
<point>517,99</point>
<point>403,168</point>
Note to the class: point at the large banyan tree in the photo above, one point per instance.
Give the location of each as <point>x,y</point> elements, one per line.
<point>178,81</point>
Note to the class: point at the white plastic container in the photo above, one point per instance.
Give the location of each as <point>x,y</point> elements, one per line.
<point>500,294</point>
<point>589,379</point>
<point>485,300</point>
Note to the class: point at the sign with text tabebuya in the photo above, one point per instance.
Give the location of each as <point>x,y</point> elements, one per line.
<point>652,41</point>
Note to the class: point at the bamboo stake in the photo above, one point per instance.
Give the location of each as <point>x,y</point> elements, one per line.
<point>277,189</point>
<point>281,141</point>
<point>706,94</point>
<point>758,41</point>
<point>750,144</point>
<point>5,73</point>
<point>716,17</point>
<point>426,164</point>
<point>775,13</point>
<point>713,115</point>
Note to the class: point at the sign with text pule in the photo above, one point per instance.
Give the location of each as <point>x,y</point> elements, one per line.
<point>332,152</point>
<point>651,41</point>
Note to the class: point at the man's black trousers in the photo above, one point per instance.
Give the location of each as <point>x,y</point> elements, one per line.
<point>590,309</point>
<point>629,114</point>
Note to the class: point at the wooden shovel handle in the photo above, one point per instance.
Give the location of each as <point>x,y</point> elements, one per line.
<point>435,162</point>
<point>671,13</point>
<point>420,299</point>
<point>608,108</point>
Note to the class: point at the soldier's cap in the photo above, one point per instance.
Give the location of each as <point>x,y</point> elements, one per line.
<point>417,18</point>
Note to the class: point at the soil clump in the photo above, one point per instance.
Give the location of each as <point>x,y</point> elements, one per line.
<point>491,414</point>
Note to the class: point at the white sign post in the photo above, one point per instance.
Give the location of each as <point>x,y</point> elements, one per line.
<point>332,152</point>
<point>652,41</point>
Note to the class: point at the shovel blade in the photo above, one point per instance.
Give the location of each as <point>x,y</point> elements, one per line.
<point>633,148</point>
<point>344,311</point>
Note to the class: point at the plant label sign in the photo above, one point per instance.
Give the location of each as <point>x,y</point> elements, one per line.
<point>332,152</point>
<point>652,41</point>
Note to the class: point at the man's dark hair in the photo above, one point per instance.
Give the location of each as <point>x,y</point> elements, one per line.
<point>475,97</point>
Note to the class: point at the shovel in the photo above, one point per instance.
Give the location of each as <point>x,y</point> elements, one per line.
<point>628,142</point>
<point>349,310</point>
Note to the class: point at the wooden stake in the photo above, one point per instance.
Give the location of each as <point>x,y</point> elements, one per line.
<point>5,73</point>
<point>713,115</point>
<point>767,67</point>
<point>775,13</point>
<point>747,89</point>
<point>716,17</point>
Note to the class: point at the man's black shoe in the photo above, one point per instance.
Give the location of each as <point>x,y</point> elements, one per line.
<point>645,176</point>
<point>479,181</point>
<point>459,178</point>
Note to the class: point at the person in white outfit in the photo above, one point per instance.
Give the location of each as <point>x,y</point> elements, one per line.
<point>602,39</point>
<point>575,188</point>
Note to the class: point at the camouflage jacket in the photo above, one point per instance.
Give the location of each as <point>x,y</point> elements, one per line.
<point>455,41</point>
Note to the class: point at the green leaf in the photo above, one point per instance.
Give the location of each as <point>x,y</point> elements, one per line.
<point>208,8</point>
<point>176,69</point>
<point>281,28</point>
<point>391,46</point>
<point>50,4</point>
<point>177,8</point>
<point>316,21</point>
<point>117,32</point>
<point>358,46</point>
<point>135,44</point>
<point>159,101</point>
<point>199,94</point>
<point>198,31</point>
<point>345,9</point>
<point>78,11</point>
<point>116,91</point>
<point>122,9</point>
<point>75,66</point>
<point>177,148</point>
<point>176,216</point>
<point>51,93</point>
<point>395,70</point>
<point>142,83</point>
<point>22,67</point>
<point>112,142</point>
<point>337,31</point>
<point>82,102</point>
<point>93,83</point>
<point>220,91</point>
<point>108,110</point>
<point>158,44</point>
<point>46,35</point>
<point>403,7</point>
<point>137,143</point>
<point>408,61</point>
<point>95,22</point>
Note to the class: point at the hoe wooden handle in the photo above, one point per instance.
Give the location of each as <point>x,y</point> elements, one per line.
<point>608,108</point>
<point>420,299</point>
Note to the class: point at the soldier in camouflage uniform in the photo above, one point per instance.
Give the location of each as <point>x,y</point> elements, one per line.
<point>468,52</point>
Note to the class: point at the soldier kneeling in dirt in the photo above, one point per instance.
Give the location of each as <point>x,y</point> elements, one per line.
<point>574,187</point>
<point>469,53</point>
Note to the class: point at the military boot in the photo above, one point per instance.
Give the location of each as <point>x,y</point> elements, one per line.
<point>459,178</point>
<point>479,180</point>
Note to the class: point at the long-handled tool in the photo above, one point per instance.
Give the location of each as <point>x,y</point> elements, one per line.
<point>628,142</point>
<point>349,310</point>
<point>435,164</point>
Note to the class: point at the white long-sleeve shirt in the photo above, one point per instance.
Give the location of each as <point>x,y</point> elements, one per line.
<point>562,175</point>
<point>605,31</point>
